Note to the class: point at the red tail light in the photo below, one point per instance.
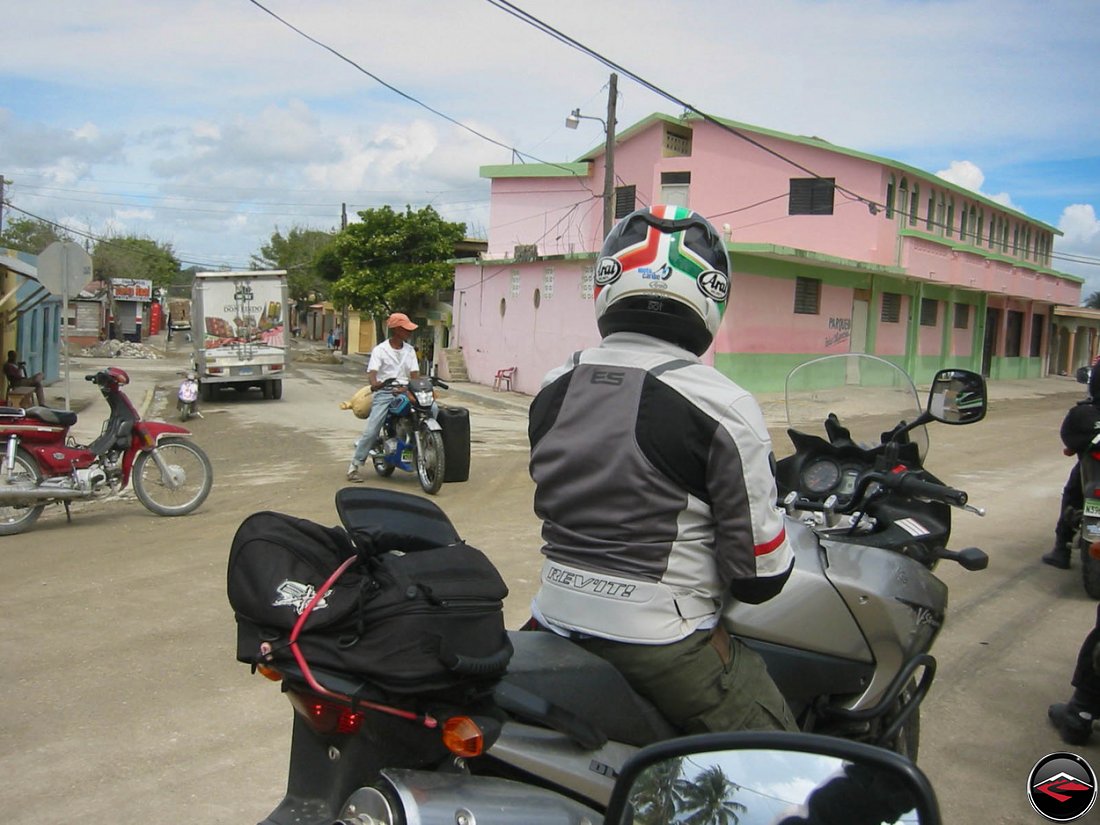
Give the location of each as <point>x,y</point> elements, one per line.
<point>325,716</point>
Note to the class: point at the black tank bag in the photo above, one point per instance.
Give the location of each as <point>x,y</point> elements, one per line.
<point>409,618</point>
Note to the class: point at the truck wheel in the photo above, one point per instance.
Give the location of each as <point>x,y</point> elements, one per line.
<point>206,391</point>
<point>265,388</point>
<point>277,389</point>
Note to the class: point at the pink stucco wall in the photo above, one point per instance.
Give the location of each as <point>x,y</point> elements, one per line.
<point>534,338</point>
<point>760,307</point>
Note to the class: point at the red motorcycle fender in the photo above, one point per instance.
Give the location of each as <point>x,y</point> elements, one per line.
<point>147,434</point>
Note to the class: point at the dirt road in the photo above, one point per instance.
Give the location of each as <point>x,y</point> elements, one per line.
<point>121,699</point>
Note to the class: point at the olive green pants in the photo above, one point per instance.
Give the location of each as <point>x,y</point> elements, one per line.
<point>706,682</point>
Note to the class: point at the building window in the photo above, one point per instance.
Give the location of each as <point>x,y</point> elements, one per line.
<point>588,283</point>
<point>515,283</point>
<point>930,218</point>
<point>929,312</point>
<point>1014,331</point>
<point>675,188</point>
<point>625,198</point>
<point>677,143</point>
<point>914,205</point>
<point>890,198</point>
<point>950,217</point>
<point>891,308</point>
<point>807,296</point>
<point>811,196</point>
<point>962,224</point>
<point>903,200</point>
<point>962,316</point>
<point>548,282</point>
<point>1037,323</point>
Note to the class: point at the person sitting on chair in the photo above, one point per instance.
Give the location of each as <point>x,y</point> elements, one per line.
<point>16,371</point>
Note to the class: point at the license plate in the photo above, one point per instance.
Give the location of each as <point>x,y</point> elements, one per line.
<point>1092,508</point>
<point>245,371</point>
<point>407,456</point>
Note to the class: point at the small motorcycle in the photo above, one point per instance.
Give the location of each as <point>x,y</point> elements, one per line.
<point>848,640</point>
<point>43,465</point>
<point>1088,519</point>
<point>188,396</point>
<point>411,439</point>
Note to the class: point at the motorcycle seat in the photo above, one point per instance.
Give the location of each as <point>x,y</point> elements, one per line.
<point>568,676</point>
<point>62,418</point>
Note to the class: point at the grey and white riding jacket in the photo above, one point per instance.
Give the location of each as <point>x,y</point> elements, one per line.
<point>655,483</point>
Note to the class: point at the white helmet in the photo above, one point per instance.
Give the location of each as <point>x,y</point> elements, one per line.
<point>663,271</point>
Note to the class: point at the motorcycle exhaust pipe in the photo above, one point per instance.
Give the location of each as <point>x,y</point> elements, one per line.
<point>31,495</point>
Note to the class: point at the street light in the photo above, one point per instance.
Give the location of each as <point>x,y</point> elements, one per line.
<point>574,119</point>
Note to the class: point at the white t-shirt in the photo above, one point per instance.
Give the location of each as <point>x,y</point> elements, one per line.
<point>393,363</point>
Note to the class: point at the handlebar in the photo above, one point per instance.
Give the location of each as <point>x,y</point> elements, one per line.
<point>910,485</point>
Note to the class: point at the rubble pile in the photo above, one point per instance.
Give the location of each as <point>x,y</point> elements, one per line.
<point>120,349</point>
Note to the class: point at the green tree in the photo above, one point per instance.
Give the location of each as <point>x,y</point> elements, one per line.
<point>655,794</point>
<point>299,253</point>
<point>390,261</point>
<point>1093,301</point>
<point>30,235</point>
<point>132,257</point>
<point>706,799</point>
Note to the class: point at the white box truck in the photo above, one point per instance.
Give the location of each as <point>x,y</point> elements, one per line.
<point>239,331</point>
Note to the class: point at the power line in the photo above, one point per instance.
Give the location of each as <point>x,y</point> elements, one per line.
<point>100,239</point>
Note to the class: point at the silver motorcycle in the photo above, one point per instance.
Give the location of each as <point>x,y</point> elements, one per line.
<point>847,641</point>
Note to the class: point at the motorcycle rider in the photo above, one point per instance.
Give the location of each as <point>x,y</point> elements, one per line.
<point>393,358</point>
<point>655,483</point>
<point>1080,426</point>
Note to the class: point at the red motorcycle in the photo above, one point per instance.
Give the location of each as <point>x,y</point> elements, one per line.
<point>43,465</point>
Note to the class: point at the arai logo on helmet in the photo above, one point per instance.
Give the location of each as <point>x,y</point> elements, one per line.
<point>714,284</point>
<point>608,271</point>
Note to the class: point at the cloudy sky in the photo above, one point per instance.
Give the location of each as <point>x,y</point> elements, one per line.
<point>209,124</point>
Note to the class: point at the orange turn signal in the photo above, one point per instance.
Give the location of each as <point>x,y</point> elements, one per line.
<point>462,736</point>
<point>269,673</point>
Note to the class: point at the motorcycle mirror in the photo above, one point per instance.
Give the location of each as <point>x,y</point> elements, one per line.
<point>957,397</point>
<point>747,776</point>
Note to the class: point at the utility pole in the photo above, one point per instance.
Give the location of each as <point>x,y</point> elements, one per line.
<point>609,157</point>
<point>1,203</point>
<point>344,311</point>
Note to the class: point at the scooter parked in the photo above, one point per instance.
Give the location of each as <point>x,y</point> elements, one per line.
<point>43,465</point>
<point>188,396</point>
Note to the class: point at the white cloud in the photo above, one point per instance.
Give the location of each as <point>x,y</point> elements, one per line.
<point>967,175</point>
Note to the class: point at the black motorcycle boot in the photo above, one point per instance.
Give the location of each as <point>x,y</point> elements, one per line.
<point>1059,554</point>
<point>1057,557</point>
<point>1073,721</point>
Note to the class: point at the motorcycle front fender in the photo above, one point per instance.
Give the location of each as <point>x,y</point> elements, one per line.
<point>432,425</point>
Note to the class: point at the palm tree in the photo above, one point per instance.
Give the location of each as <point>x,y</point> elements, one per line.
<point>654,795</point>
<point>706,799</point>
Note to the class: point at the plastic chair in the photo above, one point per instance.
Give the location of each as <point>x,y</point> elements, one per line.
<point>503,379</point>
<point>19,396</point>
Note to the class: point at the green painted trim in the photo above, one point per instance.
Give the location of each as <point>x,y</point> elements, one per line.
<point>536,170</point>
<point>808,258</point>
<point>1002,368</point>
<point>985,253</point>
<point>767,373</point>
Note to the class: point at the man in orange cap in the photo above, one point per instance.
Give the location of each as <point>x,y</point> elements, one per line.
<point>393,358</point>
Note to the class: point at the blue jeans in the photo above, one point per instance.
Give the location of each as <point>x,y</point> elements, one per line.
<point>379,406</point>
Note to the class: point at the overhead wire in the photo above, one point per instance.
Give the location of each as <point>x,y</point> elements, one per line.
<point>531,20</point>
